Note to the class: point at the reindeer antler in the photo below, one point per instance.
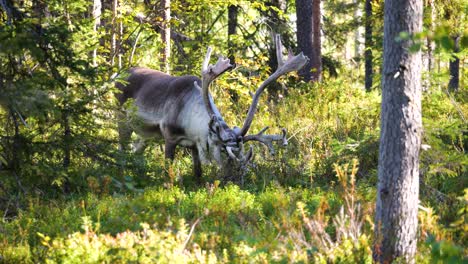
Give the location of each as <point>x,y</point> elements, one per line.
<point>210,73</point>
<point>234,139</point>
<point>293,63</point>
<point>267,140</point>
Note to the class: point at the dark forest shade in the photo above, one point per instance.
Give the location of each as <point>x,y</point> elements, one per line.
<point>396,220</point>
<point>454,66</point>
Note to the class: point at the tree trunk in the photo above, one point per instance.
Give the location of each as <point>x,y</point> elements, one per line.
<point>369,74</point>
<point>66,138</point>
<point>427,57</point>
<point>117,32</point>
<point>308,38</point>
<point>317,44</point>
<point>6,7</point>
<point>304,35</point>
<point>429,43</point>
<point>454,66</point>
<point>396,219</point>
<point>358,31</point>
<point>113,32</point>
<point>232,30</point>
<point>97,21</point>
<point>12,13</point>
<point>368,57</point>
<point>233,10</point>
<point>16,148</point>
<point>166,35</point>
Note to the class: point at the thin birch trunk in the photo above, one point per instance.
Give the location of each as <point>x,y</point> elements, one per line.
<point>166,35</point>
<point>97,6</point>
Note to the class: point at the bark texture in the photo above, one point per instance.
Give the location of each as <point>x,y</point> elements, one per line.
<point>317,44</point>
<point>368,57</point>
<point>401,126</point>
<point>308,38</point>
<point>233,10</point>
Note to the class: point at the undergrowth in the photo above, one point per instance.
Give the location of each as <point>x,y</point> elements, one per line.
<point>214,225</point>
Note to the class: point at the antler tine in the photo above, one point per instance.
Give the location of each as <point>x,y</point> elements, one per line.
<point>242,157</point>
<point>231,153</point>
<point>279,50</point>
<point>209,73</point>
<point>293,63</point>
<point>268,140</point>
<point>206,61</point>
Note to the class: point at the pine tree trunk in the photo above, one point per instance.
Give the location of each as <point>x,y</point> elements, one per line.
<point>305,35</point>
<point>233,11</point>
<point>429,43</point>
<point>396,219</point>
<point>308,38</point>
<point>427,57</point>
<point>232,30</point>
<point>369,73</point>
<point>317,44</point>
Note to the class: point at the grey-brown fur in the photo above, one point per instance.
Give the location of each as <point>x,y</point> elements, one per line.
<point>166,97</point>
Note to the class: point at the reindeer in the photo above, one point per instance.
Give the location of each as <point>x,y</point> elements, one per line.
<point>181,111</point>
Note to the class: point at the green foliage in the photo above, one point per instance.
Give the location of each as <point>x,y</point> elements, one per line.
<point>149,245</point>
<point>445,252</point>
<point>444,160</point>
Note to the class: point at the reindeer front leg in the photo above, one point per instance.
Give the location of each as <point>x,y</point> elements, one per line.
<point>169,150</point>
<point>197,168</point>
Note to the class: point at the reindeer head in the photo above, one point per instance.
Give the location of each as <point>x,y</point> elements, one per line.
<point>232,140</point>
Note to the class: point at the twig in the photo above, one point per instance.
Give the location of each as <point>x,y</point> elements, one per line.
<point>192,229</point>
<point>134,46</point>
<point>455,104</point>
<point>299,130</point>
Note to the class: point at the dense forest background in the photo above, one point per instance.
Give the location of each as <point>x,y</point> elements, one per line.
<point>68,193</point>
